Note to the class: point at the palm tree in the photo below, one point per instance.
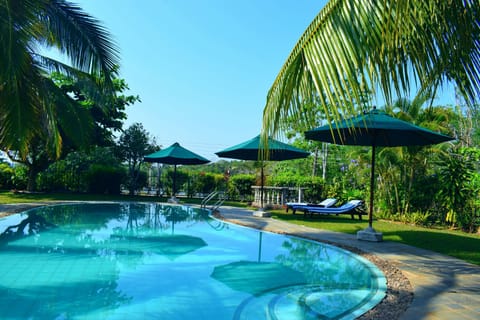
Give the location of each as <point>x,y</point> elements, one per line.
<point>357,45</point>
<point>403,168</point>
<point>28,97</point>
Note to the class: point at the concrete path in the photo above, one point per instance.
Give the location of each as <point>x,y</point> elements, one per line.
<point>444,287</point>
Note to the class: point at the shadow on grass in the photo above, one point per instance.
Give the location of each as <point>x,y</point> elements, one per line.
<point>464,247</point>
<point>340,223</point>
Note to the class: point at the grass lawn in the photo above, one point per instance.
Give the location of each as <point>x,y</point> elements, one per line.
<point>450,242</point>
<point>453,243</point>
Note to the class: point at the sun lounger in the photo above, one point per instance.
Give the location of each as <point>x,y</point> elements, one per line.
<point>353,207</point>
<point>299,205</point>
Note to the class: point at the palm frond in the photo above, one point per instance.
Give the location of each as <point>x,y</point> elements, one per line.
<point>26,95</point>
<point>97,89</point>
<point>80,36</point>
<point>353,45</point>
<point>20,109</point>
<point>68,118</point>
<point>19,101</point>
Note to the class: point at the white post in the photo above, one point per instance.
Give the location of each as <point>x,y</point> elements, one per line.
<point>300,195</point>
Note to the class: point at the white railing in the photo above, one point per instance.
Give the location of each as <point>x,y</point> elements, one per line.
<point>221,197</point>
<point>276,197</point>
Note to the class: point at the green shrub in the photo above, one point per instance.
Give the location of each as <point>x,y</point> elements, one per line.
<point>7,174</point>
<point>102,179</point>
<point>70,174</point>
<point>241,186</point>
<point>204,183</point>
<point>20,177</point>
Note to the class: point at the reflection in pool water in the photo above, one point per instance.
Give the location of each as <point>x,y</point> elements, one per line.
<point>154,261</point>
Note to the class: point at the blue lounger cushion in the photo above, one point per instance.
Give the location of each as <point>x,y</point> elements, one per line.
<point>352,207</point>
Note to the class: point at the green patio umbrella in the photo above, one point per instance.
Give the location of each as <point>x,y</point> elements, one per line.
<point>176,154</point>
<point>171,246</point>
<point>375,128</point>
<point>251,150</point>
<point>257,278</point>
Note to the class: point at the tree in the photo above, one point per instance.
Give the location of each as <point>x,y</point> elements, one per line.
<point>100,118</point>
<point>357,45</point>
<point>95,170</point>
<point>133,145</point>
<point>404,170</point>
<point>37,160</point>
<point>29,100</point>
<point>459,186</point>
<point>107,112</point>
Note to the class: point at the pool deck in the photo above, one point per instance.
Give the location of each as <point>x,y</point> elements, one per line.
<point>444,287</point>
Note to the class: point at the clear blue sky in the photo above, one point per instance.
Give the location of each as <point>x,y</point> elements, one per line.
<point>202,68</point>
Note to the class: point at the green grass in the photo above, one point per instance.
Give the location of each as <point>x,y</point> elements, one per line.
<point>453,243</point>
<point>450,242</point>
<point>7,197</point>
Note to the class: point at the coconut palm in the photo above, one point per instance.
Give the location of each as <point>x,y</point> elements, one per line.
<point>28,97</point>
<point>383,46</point>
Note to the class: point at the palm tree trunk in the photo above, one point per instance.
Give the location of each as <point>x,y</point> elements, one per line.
<point>315,162</point>
<point>32,179</point>
<point>324,160</point>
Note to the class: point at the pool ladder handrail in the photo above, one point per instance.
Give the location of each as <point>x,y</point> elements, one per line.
<point>221,199</point>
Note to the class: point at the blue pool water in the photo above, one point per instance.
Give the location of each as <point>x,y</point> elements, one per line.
<point>155,261</point>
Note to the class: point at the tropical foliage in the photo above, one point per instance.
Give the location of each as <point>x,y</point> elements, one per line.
<point>97,170</point>
<point>390,49</point>
<point>459,181</point>
<point>134,143</point>
<point>30,103</point>
<point>106,113</point>
<point>383,47</point>
<point>100,119</point>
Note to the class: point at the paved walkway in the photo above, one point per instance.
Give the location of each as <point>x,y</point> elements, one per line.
<point>444,287</point>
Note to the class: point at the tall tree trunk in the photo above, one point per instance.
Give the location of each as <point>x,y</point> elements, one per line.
<point>324,160</point>
<point>32,178</point>
<point>133,173</point>
<point>315,162</point>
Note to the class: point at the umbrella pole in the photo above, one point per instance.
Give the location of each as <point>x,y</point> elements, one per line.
<point>174,179</point>
<point>260,247</point>
<point>369,233</point>
<point>261,186</point>
<point>372,186</point>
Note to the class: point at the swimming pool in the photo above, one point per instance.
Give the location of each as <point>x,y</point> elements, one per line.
<point>156,261</point>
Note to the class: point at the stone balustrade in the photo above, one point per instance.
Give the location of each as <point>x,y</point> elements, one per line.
<point>276,197</point>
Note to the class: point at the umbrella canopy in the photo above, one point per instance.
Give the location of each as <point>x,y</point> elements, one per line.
<point>175,154</point>
<point>251,150</point>
<point>375,128</point>
<point>257,278</point>
<point>170,246</point>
